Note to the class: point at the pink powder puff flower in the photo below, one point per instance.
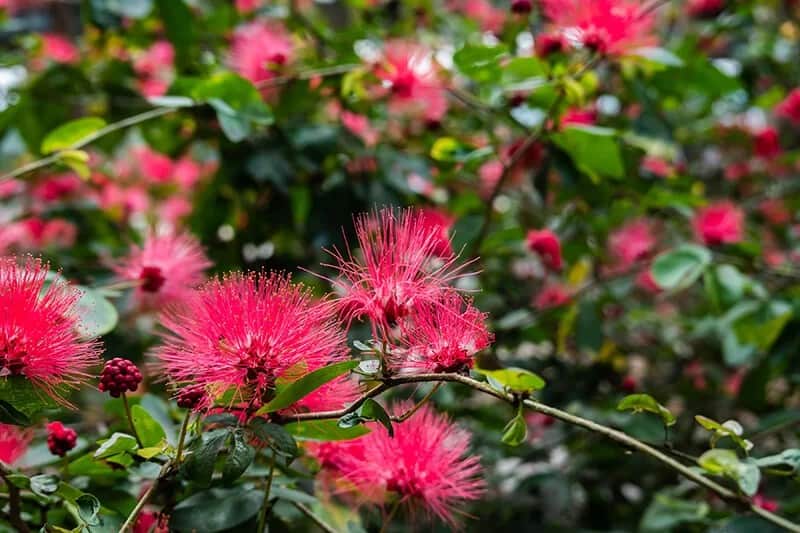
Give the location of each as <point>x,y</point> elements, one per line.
<point>260,49</point>
<point>10,187</point>
<point>155,166</point>
<point>441,337</point>
<point>545,243</point>
<point>766,143</point>
<point>425,465</point>
<point>789,108</point>
<point>14,443</point>
<point>59,49</point>
<point>331,396</point>
<point>244,332</point>
<point>398,269</point>
<point>56,187</point>
<point>38,329</point>
<point>165,269</point>
<point>605,26</point>
<point>187,172</point>
<point>719,223</point>
<point>632,242</point>
<point>409,72</point>
<point>551,296</point>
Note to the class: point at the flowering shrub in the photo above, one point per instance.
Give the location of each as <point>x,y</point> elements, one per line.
<point>399,266</point>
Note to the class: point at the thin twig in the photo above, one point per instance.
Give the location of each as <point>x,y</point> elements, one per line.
<point>130,419</point>
<point>405,416</point>
<point>14,505</point>
<point>142,501</point>
<point>262,519</point>
<point>314,518</point>
<point>610,433</point>
<point>182,437</point>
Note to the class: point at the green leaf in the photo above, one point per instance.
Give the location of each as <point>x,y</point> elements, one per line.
<point>44,484</point>
<point>644,402</point>
<point>679,268</point>
<point>97,316</point>
<point>10,415</point>
<point>135,9</point>
<point>372,410</point>
<point>748,477</point>
<point>730,429</point>
<point>172,101</point>
<point>22,395</point>
<point>199,466</point>
<point>240,456</point>
<point>180,27</point>
<point>324,430</point>
<point>516,431</point>
<point>150,431</point>
<point>117,443</point>
<point>719,461</point>
<point>88,507</point>
<point>512,379</point>
<point>77,160</point>
<point>658,55</point>
<point>481,63</point>
<point>238,104</point>
<point>275,436</point>
<point>666,513</point>
<point>297,390</point>
<point>789,457</point>
<point>71,134</point>
<point>450,150</point>
<point>595,151</point>
<point>216,510</point>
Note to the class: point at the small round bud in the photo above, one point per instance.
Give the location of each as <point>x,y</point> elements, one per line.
<point>521,7</point>
<point>60,439</point>
<point>190,397</point>
<point>119,375</point>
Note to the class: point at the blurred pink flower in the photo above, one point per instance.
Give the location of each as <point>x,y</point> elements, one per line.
<point>187,172</point>
<point>155,166</point>
<point>488,17</point>
<point>719,223</point>
<point>550,43</point>
<point>551,296</point>
<point>632,242</point>
<point>546,243</point>
<point>606,26</point>
<point>647,282</point>
<point>59,49</point>
<point>247,6</point>
<point>789,108</point>
<point>56,187</point>
<point>775,211</point>
<point>579,117</point>
<point>359,126</point>
<point>260,49</point>
<point>14,443</point>
<point>409,72</point>
<point>766,143</point>
<point>166,268</point>
<point>658,166</point>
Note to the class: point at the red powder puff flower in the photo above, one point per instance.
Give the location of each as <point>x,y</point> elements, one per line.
<point>789,108</point>
<point>260,49</point>
<point>409,72</point>
<point>398,269</point>
<point>425,465</point>
<point>606,26</point>
<point>60,439</point>
<point>719,223</point>
<point>333,395</point>
<point>440,223</point>
<point>551,296</point>
<point>766,143</point>
<point>632,242</point>
<point>704,9</point>
<point>14,442</point>
<point>166,268</point>
<point>545,243</point>
<point>244,332</point>
<point>38,329</point>
<point>442,337</point>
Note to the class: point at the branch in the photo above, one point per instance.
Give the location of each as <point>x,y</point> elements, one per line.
<point>314,518</point>
<point>575,420</point>
<point>14,505</point>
